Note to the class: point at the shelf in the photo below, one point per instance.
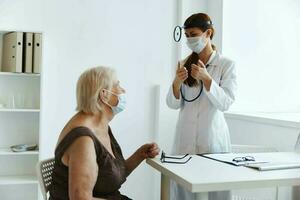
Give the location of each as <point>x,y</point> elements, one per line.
<point>19,110</point>
<point>8,152</point>
<point>19,74</point>
<point>18,180</point>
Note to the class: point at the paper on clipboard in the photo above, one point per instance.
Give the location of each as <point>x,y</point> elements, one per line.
<point>263,161</point>
<point>228,158</point>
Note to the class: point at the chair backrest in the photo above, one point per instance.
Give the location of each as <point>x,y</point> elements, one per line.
<point>44,173</point>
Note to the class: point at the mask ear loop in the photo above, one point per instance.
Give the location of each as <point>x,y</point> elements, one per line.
<point>112,94</point>
<point>101,97</point>
<point>207,36</point>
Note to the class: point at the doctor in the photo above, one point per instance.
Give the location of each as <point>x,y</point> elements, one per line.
<point>204,87</point>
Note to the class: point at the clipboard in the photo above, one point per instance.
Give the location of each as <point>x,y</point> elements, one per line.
<point>228,158</point>
<point>263,161</point>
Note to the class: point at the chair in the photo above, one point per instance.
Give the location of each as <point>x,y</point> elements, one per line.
<point>44,173</point>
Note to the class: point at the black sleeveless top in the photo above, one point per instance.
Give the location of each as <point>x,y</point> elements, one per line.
<point>112,171</point>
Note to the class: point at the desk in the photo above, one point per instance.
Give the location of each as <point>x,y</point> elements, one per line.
<point>205,175</point>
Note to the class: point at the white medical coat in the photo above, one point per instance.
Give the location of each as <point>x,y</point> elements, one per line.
<point>201,126</point>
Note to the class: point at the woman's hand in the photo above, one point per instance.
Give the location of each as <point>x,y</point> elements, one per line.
<point>181,74</point>
<point>200,73</point>
<point>145,151</point>
<point>149,150</point>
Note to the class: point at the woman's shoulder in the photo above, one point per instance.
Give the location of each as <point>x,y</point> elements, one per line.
<point>82,143</point>
<point>77,134</point>
<point>73,130</point>
<point>75,126</point>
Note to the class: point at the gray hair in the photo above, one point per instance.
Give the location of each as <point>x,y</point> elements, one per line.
<point>89,86</point>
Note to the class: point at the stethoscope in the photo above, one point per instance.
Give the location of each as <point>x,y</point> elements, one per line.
<point>200,92</point>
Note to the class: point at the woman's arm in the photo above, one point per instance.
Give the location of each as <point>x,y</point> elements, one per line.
<point>176,88</point>
<point>171,100</point>
<point>83,169</point>
<point>174,98</point>
<point>145,151</point>
<point>223,95</point>
<point>220,95</point>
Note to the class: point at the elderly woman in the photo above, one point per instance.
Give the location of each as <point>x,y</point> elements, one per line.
<point>89,164</point>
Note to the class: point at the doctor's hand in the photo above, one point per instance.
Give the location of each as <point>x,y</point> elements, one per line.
<point>149,150</point>
<point>200,73</point>
<point>181,74</point>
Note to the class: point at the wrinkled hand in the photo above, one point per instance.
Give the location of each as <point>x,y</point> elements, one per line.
<point>149,150</point>
<point>199,72</point>
<point>181,74</point>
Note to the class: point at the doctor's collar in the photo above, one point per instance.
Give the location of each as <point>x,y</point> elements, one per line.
<point>211,59</point>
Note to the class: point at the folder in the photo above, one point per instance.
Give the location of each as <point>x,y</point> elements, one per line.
<point>12,52</point>
<point>37,52</point>
<point>27,52</point>
<point>274,166</point>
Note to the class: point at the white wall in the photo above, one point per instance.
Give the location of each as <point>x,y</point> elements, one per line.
<point>280,137</point>
<point>212,8</point>
<point>187,9</point>
<point>215,11</point>
<point>263,38</point>
<point>135,37</point>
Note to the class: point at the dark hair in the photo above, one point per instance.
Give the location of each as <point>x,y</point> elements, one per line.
<point>203,22</point>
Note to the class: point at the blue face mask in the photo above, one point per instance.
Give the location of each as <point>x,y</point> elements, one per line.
<point>121,103</point>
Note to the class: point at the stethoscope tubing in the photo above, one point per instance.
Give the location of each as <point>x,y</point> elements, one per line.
<point>200,92</point>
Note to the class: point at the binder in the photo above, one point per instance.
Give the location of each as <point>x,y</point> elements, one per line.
<point>27,52</point>
<point>274,166</point>
<point>12,52</point>
<point>37,52</point>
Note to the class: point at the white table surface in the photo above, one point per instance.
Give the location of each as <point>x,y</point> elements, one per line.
<point>205,175</point>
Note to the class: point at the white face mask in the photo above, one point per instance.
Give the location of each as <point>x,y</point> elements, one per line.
<point>197,44</point>
<point>121,103</point>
